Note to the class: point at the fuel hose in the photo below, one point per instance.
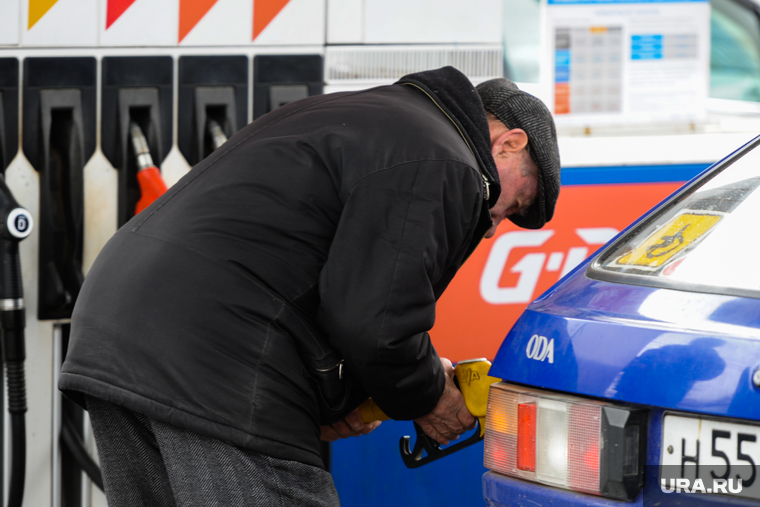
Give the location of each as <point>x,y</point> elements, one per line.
<point>16,225</point>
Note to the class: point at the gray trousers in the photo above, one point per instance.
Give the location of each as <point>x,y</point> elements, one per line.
<point>147,462</point>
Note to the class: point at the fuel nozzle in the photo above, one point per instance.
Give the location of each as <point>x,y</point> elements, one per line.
<point>472,379</point>
<point>218,137</point>
<point>16,223</point>
<point>140,145</point>
<point>152,185</point>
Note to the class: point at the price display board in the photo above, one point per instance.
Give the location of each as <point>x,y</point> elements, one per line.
<point>625,61</point>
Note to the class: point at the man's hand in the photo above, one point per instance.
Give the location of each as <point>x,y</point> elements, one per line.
<point>450,417</point>
<point>351,426</point>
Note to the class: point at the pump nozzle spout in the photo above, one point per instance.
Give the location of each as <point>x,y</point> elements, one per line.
<point>140,145</point>
<point>218,137</point>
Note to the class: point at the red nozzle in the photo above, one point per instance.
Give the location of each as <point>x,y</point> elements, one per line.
<point>152,187</point>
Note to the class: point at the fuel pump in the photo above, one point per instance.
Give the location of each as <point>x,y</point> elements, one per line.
<point>136,126</point>
<point>8,110</point>
<point>212,102</point>
<point>59,105</point>
<point>16,225</point>
<point>281,79</point>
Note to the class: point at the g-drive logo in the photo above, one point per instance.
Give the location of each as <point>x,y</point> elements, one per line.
<point>532,264</point>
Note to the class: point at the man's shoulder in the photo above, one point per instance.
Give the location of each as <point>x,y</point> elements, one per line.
<point>403,116</point>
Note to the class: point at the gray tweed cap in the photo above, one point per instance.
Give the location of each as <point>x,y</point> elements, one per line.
<point>517,109</point>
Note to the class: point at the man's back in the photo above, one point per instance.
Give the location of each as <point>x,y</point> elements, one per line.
<point>328,216</point>
<point>281,183</point>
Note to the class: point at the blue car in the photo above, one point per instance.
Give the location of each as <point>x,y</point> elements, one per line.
<point>635,380</point>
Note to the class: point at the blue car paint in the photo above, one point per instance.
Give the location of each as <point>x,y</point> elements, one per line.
<point>608,345</point>
<point>605,346</point>
<point>502,491</point>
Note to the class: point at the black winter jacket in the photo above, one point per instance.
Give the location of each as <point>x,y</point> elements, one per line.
<point>344,215</point>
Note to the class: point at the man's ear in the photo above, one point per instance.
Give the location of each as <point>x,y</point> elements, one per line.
<point>508,143</point>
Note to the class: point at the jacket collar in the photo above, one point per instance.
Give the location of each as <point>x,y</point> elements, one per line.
<point>457,98</point>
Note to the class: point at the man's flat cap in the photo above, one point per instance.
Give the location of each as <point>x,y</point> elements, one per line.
<point>517,109</point>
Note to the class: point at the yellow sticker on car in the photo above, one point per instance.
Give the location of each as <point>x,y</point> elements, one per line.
<point>676,236</point>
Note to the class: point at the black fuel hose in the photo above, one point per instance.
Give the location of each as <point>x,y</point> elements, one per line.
<point>15,225</point>
<point>12,320</point>
<point>18,461</point>
<point>17,409</point>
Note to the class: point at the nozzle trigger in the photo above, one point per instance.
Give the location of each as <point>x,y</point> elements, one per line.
<point>414,458</point>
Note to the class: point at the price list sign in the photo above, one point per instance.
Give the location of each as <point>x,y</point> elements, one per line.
<point>625,61</point>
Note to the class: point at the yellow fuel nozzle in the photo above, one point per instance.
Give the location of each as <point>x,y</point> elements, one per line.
<point>474,382</point>
<point>371,412</point>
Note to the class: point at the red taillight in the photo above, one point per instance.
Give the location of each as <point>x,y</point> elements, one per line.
<point>564,441</point>
<point>526,436</point>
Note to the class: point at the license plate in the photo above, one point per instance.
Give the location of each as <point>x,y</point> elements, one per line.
<point>710,456</point>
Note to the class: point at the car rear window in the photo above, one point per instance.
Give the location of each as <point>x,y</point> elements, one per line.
<point>704,239</point>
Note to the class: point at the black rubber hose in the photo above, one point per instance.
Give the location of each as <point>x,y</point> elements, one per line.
<point>74,444</point>
<point>17,409</point>
<point>17,226</point>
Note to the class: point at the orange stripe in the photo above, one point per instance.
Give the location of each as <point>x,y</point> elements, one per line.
<point>190,13</point>
<point>37,9</point>
<point>264,11</point>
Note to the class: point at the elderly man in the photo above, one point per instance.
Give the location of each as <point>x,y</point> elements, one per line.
<point>290,275</point>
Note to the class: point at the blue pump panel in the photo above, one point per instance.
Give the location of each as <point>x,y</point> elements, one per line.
<point>368,472</point>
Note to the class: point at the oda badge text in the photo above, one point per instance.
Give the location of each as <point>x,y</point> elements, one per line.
<point>540,348</point>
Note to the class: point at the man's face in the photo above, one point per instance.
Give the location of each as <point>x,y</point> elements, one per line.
<point>518,173</point>
<point>519,188</point>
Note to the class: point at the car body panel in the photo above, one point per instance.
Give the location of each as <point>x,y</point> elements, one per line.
<point>704,347</point>
<point>502,491</point>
